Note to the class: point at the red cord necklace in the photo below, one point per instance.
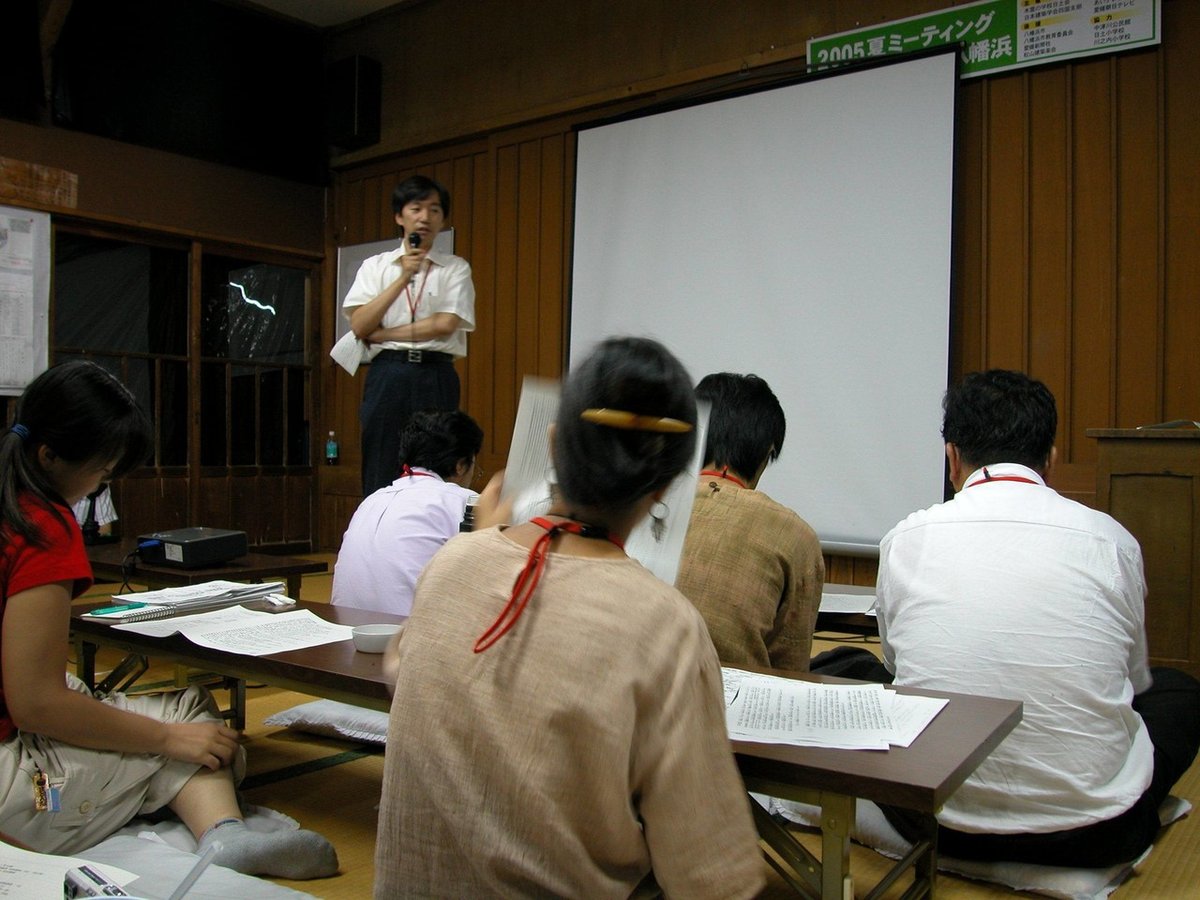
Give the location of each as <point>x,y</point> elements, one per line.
<point>406,471</point>
<point>988,478</point>
<point>724,473</point>
<point>527,579</point>
<point>412,305</point>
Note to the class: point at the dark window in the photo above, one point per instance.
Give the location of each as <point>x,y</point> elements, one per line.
<point>124,305</point>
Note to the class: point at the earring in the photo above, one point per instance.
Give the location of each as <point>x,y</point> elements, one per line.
<point>658,519</point>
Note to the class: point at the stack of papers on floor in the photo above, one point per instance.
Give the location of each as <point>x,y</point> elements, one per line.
<point>770,710</point>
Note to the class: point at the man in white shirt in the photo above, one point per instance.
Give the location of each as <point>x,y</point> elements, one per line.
<point>95,514</point>
<point>396,530</point>
<point>414,307</point>
<point>1012,590</point>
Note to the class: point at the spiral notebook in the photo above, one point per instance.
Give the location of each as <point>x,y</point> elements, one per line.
<point>181,601</point>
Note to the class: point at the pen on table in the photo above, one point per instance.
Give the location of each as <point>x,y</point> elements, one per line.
<point>121,607</point>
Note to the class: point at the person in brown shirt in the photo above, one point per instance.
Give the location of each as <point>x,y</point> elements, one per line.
<point>750,565</point>
<point>558,727</point>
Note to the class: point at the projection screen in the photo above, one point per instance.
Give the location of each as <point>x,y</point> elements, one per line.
<point>801,233</point>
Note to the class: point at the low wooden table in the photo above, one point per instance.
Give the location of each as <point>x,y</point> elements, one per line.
<point>920,777</point>
<point>334,670</point>
<point>108,565</point>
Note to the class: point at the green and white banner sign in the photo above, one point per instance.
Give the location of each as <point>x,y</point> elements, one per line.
<point>996,35</point>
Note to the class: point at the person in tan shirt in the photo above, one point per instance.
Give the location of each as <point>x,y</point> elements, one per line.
<point>558,727</point>
<point>750,565</point>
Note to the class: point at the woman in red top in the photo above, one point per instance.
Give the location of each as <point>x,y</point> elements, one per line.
<point>74,769</point>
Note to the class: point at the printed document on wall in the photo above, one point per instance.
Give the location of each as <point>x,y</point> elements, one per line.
<point>24,297</point>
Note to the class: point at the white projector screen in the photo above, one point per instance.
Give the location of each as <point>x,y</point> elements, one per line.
<point>801,233</point>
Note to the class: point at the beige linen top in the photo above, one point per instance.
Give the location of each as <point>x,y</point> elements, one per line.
<point>754,570</point>
<point>584,748</point>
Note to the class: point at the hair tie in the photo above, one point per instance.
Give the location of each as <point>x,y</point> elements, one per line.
<point>627,421</point>
<point>20,431</point>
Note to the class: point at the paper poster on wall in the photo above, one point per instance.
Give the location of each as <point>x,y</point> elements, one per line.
<point>998,35</point>
<point>351,257</point>
<point>24,297</point>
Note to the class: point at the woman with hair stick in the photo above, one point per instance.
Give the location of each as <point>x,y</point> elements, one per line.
<point>558,725</point>
<point>74,769</point>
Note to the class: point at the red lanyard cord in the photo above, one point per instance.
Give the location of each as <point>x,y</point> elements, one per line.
<point>988,477</point>
<point>724,473</point>
<point>412,305</point>
<point>529,576</point>
<point>406,471</point>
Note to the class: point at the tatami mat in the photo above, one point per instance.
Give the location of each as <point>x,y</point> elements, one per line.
<point>332,787</point>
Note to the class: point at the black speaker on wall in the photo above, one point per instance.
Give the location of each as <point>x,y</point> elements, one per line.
<point>353,104</point>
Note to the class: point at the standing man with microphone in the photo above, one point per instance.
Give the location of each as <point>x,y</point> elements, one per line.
<point>414,309</point>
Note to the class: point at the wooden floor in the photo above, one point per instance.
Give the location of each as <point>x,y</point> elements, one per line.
<point>332,787</point>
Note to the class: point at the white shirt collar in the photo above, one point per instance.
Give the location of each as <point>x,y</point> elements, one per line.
<point>437,257</point>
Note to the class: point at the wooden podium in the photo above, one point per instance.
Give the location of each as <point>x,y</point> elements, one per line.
<point>1149,481</point>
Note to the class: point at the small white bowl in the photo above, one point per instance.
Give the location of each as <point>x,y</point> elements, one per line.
<point>373,638</point>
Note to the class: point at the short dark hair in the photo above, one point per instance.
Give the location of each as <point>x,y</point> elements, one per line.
<point>419,187</point>
<point>439,439</point>
<point>611,468</point>
<point>1000,416</point>
<point>746,426</point>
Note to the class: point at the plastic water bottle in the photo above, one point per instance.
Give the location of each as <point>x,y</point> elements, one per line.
<point>331,450</point>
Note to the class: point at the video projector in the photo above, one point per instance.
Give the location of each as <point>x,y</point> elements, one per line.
<point>191,548</point>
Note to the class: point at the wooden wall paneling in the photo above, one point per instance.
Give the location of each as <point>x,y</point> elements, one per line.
<point>192,499</point>
<point>552,274</point>
<point>966,311</point>
<point>297,510</point>
<point>379,222</point>
<point>270,498</point>
<point>1005,301</point>
<point>528,227</point>
<point>1049,227</point>
<point>150,503</point>
<point>505,371</point>
<point>1089,403</point>
<point>479,386</point>
<point>216,505</point>
<point>246,509</point>
<point>1139,255</point>
<point>1180,361</point>
<point>348,203</point>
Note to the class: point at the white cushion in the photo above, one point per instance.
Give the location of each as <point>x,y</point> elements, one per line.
<point>332,719</point>
<point>872,829</point>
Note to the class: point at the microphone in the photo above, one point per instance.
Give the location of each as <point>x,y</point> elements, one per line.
<point>414,240</point>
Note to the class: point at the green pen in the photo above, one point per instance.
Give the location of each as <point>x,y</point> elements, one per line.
<point>107,610</point>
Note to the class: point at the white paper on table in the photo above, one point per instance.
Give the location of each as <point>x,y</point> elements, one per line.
<point>908,714</point>
<point>911,714</point>
<point>848,603</point>
<point>786,711</point>
<point>245,631</point>
<point>24,873</point>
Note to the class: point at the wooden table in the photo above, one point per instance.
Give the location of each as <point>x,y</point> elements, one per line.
<point>920,777</point>
<point>108,565</point>
<point>335,670</point>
